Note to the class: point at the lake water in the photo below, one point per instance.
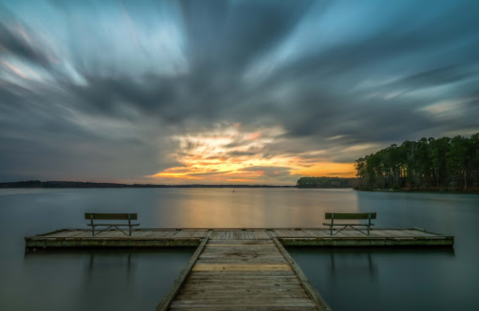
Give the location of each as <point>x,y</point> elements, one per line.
<point>364,279</point>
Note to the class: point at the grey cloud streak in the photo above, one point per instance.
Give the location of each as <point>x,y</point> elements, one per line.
<point>14,43</point>
<point>369,89</point>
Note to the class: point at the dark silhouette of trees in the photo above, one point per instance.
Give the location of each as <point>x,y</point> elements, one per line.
<point>444,163</point>
<point>325,182</point>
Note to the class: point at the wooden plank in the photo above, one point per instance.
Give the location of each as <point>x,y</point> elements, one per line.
<point>252,281</point>
<point>233,296</point>
<point>217,260</point>
<point>243,273</point>
<point>264,248</point>
<point>228,288</point>
<point>256,308</point>
<point>240,242</point>
<point>64,233</point>
<point>180,280</point>
<point>246,247</point>
<point>238,255</point>
<point>244,300</point>
<point>261,234</point>
<point>244,283</point>
<point>238,235</point>
<point>245,303</point>
<point>228,267</point>
<point>245,292</point>
<point>240,276</point>
<point>427,231</point>
<point>320,302</point>
<point>238,245</point>
<point>242,291</point>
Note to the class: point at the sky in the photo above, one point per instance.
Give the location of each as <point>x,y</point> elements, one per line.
<point>228,92</point>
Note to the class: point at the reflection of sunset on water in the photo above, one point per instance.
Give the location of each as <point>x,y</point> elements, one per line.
<point>245,208</point>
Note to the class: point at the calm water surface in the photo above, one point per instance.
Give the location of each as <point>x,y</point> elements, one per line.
<point>364,279</point>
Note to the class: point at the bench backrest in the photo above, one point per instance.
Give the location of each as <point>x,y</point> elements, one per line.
<point>111,216</point>
<point>350,216</point>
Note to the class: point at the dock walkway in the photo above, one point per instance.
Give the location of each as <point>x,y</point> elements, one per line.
<point>239,269</point>
<point>242,275</point>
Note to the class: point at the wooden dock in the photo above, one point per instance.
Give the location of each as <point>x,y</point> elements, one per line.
<point>75,238</point>
<point>239,269</point>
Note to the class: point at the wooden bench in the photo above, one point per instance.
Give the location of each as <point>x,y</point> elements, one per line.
<point>111,216</point>
<point>349,216</point>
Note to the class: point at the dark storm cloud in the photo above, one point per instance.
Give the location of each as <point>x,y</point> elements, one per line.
<point>370,75</point>
<point>222,53</point>
<point>17,40</point>
<point>232,34</point>
<point>433,78</point>
<point>222,39</point>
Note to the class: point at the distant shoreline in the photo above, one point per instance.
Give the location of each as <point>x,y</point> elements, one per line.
<point>36,184</point>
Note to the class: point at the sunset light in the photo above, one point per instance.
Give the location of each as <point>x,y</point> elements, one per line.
<point>232,154</point>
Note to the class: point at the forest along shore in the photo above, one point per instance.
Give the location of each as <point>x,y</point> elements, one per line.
<point>429,164</point>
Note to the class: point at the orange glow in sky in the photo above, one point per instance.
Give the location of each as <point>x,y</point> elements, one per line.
<point>231,155</point>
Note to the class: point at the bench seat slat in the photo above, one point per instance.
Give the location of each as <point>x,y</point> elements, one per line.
<point>118,225</point>
<point>329,224</point>
<point>350,216</point>
<point>111,216</point>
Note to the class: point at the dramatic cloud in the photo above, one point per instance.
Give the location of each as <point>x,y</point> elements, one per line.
<point>228,91</point>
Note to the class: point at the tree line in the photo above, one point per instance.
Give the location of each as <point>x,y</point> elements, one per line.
<point>325,182</point>
<point>444,163</point>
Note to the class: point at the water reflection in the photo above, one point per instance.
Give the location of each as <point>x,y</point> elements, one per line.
<point>343,263</point>
<point>249,208</point>
<point>103,263</point>
<point>379,278</point>
<point>96,279</point>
